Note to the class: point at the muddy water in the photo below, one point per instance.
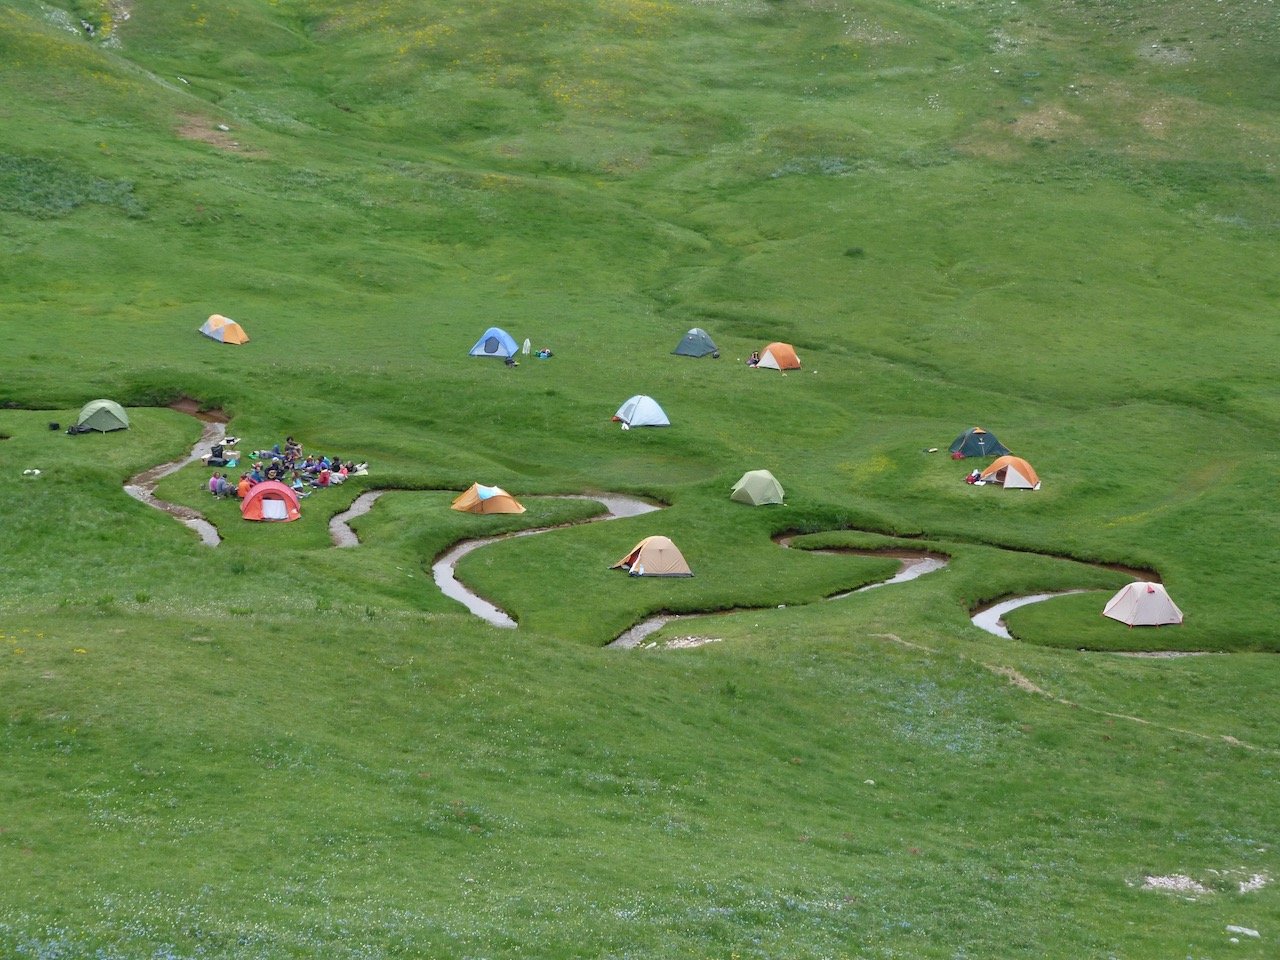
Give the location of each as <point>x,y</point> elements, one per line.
<point>616,506</point>
<point>142,487</point>
<point>339,531</point>
<point>914,563</point>
<point>991,619</point>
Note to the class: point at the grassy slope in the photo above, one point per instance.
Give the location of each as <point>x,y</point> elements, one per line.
<point>1058,220</point>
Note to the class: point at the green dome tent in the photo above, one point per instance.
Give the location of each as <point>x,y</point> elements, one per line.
<point>757,487</point>
<point>976,442</point>
<point>103,416</point>
<point>696,343</point>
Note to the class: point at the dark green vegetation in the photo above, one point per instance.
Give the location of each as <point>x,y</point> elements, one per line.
<point>1058,220</point>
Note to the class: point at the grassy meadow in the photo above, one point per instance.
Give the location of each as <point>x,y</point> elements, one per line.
<point>1059,220</point>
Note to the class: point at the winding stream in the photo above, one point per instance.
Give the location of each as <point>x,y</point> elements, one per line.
<point>914,563</point>
<point>616,506</point>
<point>991,619</point>
<point>339,532</point>
<point>143,486</point>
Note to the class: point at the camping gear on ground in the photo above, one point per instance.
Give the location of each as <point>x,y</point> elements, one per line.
<point>270,500</point>
<point>757,487</point>
<point>478,498</point>
<point>654,557</point>
<point>1012,473</point>
<point>778,356</point>
<point>696,343</point>
<point>641,411</point>
<point>976,442</point>
<point>223,329</point>
<point>495,342</point>
<point>1143,604</point>
<point>101,415</point>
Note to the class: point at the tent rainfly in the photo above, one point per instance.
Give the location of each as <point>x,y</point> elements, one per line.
<point>1143,604</point>
<point>654,557</point>
<point>779,356</point>
<point>757,487</point>
<point>270,500</point>
<point>103,416</point>
<point>697,343</point>
<point>478,498</point>
<point>976,442</point>
<point>641,411</point>
<point>1011,473</point>
<point>495,342</point>
<point>223,329</point>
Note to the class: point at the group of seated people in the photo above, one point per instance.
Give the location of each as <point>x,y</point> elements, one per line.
<point>287,465</point>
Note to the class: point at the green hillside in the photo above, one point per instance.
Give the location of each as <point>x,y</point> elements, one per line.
<point>1059,220</point>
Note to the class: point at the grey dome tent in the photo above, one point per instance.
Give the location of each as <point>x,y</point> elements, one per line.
<point>976,442</point>
<point>757,487</point>
<point>103,416</point>
<point>696,343</point>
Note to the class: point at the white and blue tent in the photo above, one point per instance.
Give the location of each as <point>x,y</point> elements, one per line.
<point>495,342</point>
<point>641,411</point>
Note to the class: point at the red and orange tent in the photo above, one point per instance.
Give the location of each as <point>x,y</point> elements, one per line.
<point>270,500</point>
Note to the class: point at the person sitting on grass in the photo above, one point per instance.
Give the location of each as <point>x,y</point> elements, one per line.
<point>257,475</point>
<point>322,478</point>
<point>244,486</point>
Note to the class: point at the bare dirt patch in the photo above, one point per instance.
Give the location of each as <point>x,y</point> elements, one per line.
<point>1016,678</point>
<point>1047,123</point>
<point>191,407</point>
<point>989,148</point>
<point>203,130</point>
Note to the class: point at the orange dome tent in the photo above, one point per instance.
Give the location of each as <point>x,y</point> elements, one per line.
<point>224,330</point>
<point>654,557</point>
<point>478,498</point>
<point>270,500</point>
<point>779,356</point>
<point>1011,473</point>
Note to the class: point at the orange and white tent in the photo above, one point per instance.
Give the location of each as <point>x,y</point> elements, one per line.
<point>779,356</point>
<point>224,330</point>
<point>1010,473</point>
<point>270,500</point>
<point>478,498</point>
<point>1143,604</point>
<point>654,557</point>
